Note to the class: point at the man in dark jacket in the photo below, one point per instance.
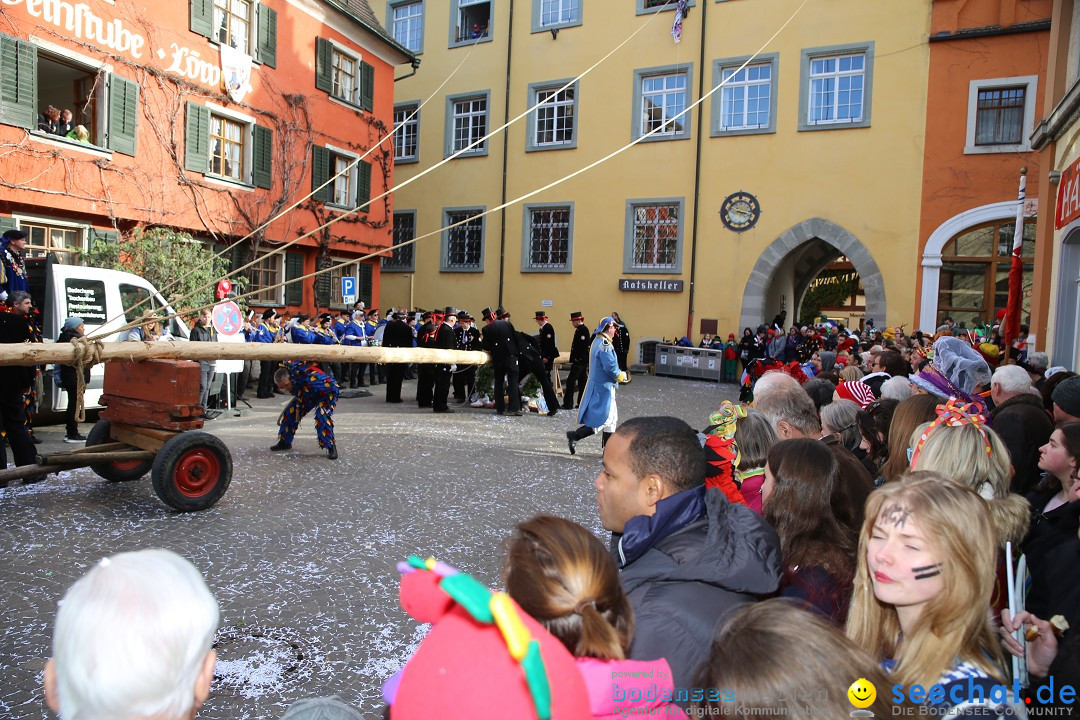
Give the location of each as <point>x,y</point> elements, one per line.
<point>15,380</point>
<point>1024,426</point>
<point>530,361</point>
<point>500,339</point>
<point>579,362</point>
<point>622,344</point>
<point>468,338</point>
<point>686,556</point>
<point>425,372</point>
<point>548,350</point>
<point>398,334</point>
<point>203,331</point>
<point>444,340</point>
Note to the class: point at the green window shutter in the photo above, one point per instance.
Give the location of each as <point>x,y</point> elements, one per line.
<point>18,83</point>
<point>123,114</point>
<point>239,256</point>
<point>266,38</point>
<point>7,223</point>
<point>320,173</point>
<point>106,236</point>
<point>363,185</point>
<point>322,281</point>
<point>202,17</point>
<point>366,272</point>
<point>263,155</point>
<point>197,138</point>
<point>294,268</point>
<point>367,86</point>
<point>324,52</point>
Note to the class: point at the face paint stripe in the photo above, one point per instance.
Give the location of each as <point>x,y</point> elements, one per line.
<point>929,571</point>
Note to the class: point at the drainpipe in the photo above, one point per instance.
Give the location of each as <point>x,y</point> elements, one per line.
<point>697,172</point>
<point>415,67</point>
<point>506,156</point>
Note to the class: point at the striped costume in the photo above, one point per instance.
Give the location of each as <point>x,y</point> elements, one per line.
<point>311,388</point>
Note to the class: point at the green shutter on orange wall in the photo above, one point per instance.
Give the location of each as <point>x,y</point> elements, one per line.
<point>266,35</point>
<point>202,17</point>
<point>262,152</point>
<point>123,114</point>
<point>294,268</point>
<point>367,86</point>
<point>18,83</point>
<point>324,57</point>
<point>363,185</point>
<point>320,173</point>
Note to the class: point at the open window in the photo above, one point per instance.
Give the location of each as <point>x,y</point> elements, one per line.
<point>472,21</point>
<point>84,94</point>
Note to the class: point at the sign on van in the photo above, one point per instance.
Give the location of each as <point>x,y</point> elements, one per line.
<point>86,299</point>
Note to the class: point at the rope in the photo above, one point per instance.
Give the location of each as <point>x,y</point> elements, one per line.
<point>87,354</point>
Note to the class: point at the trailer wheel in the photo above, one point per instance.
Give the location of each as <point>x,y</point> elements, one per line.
<point>192,471</point>
<point>121,470</point>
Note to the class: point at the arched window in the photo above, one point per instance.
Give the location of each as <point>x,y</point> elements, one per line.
<point>974,282</point>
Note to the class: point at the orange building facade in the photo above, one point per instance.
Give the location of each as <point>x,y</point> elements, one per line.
<point>214,117</point>
<point>988,63</point>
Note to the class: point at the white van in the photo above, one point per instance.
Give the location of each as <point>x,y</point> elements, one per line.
<point>105,299</point>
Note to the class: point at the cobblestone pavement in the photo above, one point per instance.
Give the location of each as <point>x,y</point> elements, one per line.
<point>300,552</point>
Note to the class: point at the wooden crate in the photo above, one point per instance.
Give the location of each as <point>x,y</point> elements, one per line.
<point>161,394</point>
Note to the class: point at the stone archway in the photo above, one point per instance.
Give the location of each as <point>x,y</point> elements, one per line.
<point>817,242</point>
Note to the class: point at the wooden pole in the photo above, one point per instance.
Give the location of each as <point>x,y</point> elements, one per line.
<point>84,459</point>
<point>65,353</point>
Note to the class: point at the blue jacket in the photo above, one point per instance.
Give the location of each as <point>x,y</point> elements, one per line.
<point>325,337</point>
<point>357,331</point>
<point>600,389</point>
<point>302,335</point>
<point>262,334</point>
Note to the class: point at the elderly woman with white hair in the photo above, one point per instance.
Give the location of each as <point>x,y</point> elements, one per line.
<point>133,640</point>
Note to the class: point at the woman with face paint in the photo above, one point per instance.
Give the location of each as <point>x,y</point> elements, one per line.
<point>922,589</point>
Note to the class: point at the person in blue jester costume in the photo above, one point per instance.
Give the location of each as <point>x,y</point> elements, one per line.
<point>311,388</point>
<point>598,410</point>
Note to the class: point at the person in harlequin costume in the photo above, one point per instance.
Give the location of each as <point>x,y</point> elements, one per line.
<point>311,389</point>
<point>483,658</point>
<point>598,409</point>
<point>12,265</point>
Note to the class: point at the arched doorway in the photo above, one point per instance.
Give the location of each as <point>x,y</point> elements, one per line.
<point>1067,310</point>
<point>786,268</point>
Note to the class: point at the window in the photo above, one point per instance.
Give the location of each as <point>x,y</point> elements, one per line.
<point>654,236</point>
<point>407,24</point>
<point>745,104</point>
<point>548,238</point>
<point>974,279</point>
<point>467,123</point>
<point>463,245</point>
<point>836,87</point>
<point>407,132</point>
<point>339,268</point>
<point>42,239</point>
<point>403,258</point>
<point>552,125</point>
<point>262,276</point>
<point>232,23</point>
<point>470,21</point>
<point>340,178</point>
<point>552,14</point>
<point>227,145</point>
<point>1001,115</point>
<point>246,25</point>
<point>660,94</point>
<point>343,74</point>
<point>37,74</point>
<point>654,6</point>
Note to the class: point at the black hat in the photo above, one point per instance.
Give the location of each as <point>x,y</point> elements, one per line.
<point>268,314</point>
<point>541,315</point>
<point>14,235</point>
<point>576,316</point>
<point>325,316</point>
<point>450,310</point>
<point>465,316</point>
<point>486,313</point>
<point>426,315</point>
<point>502,313</point>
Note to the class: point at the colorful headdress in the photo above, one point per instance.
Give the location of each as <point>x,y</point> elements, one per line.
<point>955,413</point>
<point>483,657</point>
<point>723,423</point>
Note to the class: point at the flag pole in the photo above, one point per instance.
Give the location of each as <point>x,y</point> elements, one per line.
<point>1016,274</point>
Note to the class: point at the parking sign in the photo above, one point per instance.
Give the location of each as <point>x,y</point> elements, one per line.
<point>348,290</point>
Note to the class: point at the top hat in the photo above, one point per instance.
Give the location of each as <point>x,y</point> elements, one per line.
<point>541,315</point>
<point>576,316</point>
<point>502,313</point>
<point>426,315</point>
<point>486,313</point>
<point>450,310</point>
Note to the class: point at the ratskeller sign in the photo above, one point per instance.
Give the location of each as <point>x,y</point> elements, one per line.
<point>673,286</point>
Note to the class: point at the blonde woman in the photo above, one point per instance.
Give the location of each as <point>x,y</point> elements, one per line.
<point>923,583</point>
<point>851,373</point>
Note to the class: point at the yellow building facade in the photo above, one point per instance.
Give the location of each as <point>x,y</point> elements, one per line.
<point>810,152</point>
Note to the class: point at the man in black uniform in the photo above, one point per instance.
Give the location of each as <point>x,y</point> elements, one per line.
<point>548,351</point>
<point>444,340</point>
<point>398,334</point>
<point>425,372</point>
<point>15,380</point>
<point>530,361</point>
<point>468,338</point>
<point>499,339</point>
<point>579,362</point>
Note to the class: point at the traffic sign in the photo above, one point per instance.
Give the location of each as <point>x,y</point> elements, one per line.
<point>227,319</point>
<point>348,290</point>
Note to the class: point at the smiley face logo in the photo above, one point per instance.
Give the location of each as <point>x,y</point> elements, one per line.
<point>862,693</point>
